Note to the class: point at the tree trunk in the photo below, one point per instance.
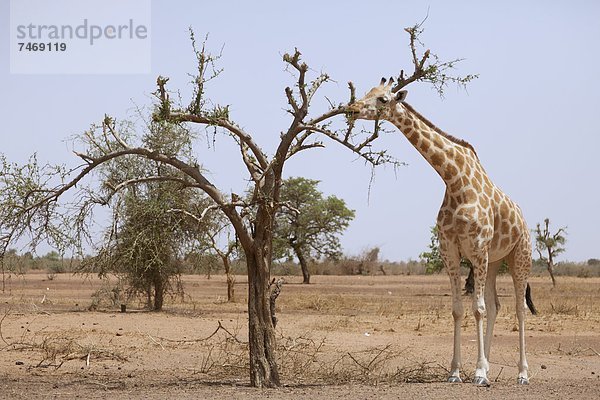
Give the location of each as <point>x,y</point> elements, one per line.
<point>158,292</point>
<point>149,303</point>
<point>230,279</point>
<point>262,343</point>
<point>551,267</point>
<point>551,271</point>
<point>303,264</point>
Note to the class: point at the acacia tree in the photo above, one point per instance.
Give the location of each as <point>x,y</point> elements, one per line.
<point>224,252</point>
<point>552,244</point>
<point>150,233</point>
<point>308,225</point>
<point>149,239</point>
<point>29,196</point>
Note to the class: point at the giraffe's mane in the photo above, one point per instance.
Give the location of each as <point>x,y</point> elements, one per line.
<point>430,124</point>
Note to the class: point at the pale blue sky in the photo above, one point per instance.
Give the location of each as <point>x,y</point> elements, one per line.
<point>532,115</point>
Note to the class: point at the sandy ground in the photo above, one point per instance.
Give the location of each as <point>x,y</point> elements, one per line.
<point>360,337</point>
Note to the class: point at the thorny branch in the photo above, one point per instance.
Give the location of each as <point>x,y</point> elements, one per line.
<point>433,72</point>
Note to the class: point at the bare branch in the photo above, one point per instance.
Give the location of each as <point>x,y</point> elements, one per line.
<point>161,178</point>
<point>190,170</point>
<point>374,158</point>
<point>294,61</point>
<point>84,157</point>
<point>110,124</point>
<point>90,137</point>
<point>433,72</point>
<point>325,116</point>
<point>298,149</point>
<point>290,96</point>
<point>316,84</point>
<point>199,219</point>
<point>230,127</point>
<point>352,92</point>
<point>289,206</point>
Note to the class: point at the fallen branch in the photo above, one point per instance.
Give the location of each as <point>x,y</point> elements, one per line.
<point>220,327</point>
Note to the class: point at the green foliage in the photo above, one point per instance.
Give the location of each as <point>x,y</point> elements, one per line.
<point>54,263</point>
<point>152,230</point>
<point>308,222</point>
<point>433,259</point>
<point>21,186</point>
<point>549,245</point>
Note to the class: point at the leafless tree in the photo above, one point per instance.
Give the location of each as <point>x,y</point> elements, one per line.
<point>225,252</point>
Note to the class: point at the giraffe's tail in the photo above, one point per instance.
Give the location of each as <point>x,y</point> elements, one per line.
<point>528,300</point>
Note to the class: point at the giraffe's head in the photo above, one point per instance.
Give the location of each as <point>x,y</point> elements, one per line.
<point>379,103</point>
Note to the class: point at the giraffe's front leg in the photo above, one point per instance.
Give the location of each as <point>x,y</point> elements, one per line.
<point>482,367</point>
<point>451,257</point>
<point>457,314</point>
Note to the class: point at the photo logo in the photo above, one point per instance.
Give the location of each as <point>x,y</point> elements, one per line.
<point>73,36</point>
<point>84,31</point>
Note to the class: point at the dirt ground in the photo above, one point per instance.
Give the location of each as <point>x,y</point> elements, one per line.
<point>359,337</point>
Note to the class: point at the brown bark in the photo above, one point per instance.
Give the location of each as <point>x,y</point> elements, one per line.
<point>550,264</point>
<point>303,264</point>
<point>262,343</point>
<point>158,292</point>
<point>230,279</point>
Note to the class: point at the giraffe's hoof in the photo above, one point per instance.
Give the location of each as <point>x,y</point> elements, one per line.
<point>454,379</point>
<point>522,380</point>
<point>481,381</point>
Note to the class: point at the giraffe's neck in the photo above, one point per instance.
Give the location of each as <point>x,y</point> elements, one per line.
<point>449,157</point>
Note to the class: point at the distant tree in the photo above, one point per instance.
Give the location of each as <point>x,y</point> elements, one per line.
<point>224,252</point>
<point>549,245</point>
<point>434,263</point>
<point>54,263</point>
<point>9,265</point>
<point>151,232</point>
<point>367,261</point>
<point>432,258</point>
<point>308,224</point>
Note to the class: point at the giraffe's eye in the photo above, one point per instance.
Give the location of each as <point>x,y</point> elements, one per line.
<point>382,99</point>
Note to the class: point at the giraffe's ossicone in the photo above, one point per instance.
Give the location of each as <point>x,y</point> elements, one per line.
<point>476,221</point>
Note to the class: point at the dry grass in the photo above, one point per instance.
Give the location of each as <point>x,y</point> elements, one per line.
<point>53,349</point>
<point>322,333</point>
<point>304,359</point>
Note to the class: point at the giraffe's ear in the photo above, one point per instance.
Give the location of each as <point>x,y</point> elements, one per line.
<point>401,95</point>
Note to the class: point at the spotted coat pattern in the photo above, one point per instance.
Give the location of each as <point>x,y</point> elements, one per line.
<point>476,221</point>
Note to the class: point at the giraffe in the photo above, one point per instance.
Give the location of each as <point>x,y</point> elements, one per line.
<point>476,220</point>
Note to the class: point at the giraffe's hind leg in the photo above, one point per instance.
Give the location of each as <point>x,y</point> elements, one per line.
<point>520,266</point>
<point>451,257</point>
<point>492,304</point>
